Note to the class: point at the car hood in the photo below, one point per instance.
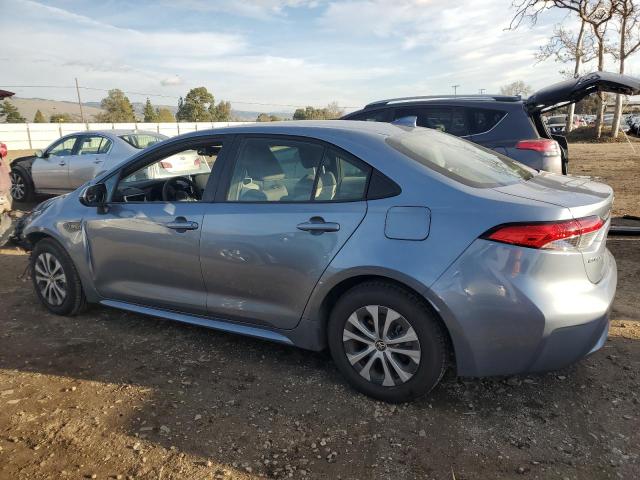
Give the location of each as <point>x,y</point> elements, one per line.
<point>575,89</point>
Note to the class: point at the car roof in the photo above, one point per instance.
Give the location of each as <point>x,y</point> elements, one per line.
<point>312,128</point>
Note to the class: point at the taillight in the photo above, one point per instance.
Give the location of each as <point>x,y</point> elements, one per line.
<point>543,145</point>
<point>196,163</point>
<point>166,165</point>
<point>562,235</point>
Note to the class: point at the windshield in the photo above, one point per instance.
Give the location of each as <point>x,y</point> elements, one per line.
<point>459,159</point>
<point>142,140</point>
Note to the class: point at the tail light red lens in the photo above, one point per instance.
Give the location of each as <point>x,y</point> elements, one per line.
<point>562,235</point>
<point>196,162</point>
<point>543,145</point>
<point>166,165</point>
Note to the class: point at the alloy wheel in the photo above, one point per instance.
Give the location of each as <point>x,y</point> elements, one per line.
<point>381,345</point>
<point>50,278</point>
<point>18,187</point>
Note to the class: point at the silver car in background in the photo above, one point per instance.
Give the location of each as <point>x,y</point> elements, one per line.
<point>404,250</point>
<point>74,159</point>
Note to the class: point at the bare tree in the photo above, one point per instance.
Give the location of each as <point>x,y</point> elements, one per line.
<point>595,13</point>
<point>627,17</point>
<point>566,46</point>
<point>516,88</point>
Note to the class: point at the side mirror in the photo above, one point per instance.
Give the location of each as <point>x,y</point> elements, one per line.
<point>40,154</point>
<point>94,195</point>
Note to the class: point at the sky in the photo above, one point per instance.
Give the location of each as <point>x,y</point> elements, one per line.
<point>270,55</point>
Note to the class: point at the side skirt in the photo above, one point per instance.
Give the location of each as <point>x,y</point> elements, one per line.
<point>202,321</point>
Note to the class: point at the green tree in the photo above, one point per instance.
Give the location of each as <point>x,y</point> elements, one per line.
<point>39,117</point>
<point>330,112</point>
<point>118,108</point>
<point>61,118</point>
<point>10,113</point>
<point>149,113</point>
<point>196,106</point>
<point>265,117</point>
<point>221,112</point>
<point>164,115</point>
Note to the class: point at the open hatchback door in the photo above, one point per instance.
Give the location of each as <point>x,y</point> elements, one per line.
<point>575,89</point>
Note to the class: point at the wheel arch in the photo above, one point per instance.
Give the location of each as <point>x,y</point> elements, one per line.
<point>322,302</point>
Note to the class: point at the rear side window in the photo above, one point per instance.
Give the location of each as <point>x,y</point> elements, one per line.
<point>374,116</point>
<point>342,178</point>
<point>459,159</point>
<point>482,120</point>
<point>446,119</point>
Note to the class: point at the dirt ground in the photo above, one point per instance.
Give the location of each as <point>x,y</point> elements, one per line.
<point>116,395</point>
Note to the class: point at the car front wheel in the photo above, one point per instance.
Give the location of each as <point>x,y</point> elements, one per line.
<point>55,278</point>
<point>387,342</point>
<point>21,186</point>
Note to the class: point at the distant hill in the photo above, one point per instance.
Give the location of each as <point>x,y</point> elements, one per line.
<point>29,106</point>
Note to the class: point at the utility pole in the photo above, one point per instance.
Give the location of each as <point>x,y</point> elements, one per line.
<point>79,101</point>
<point>482,90</point>
<point>455,89</point>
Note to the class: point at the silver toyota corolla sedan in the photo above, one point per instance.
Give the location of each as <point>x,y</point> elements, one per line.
<point>404,250</point>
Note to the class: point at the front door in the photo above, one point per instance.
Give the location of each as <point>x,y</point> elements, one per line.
<point>288,208</point>
<point>51,172</point>
<point>145,249</point>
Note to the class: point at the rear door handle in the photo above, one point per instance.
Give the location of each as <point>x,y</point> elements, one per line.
<point>182,224</point>
<point>318,225</point>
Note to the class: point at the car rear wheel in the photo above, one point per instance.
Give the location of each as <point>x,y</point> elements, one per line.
<point>21,186</point>
<point>55,279</point>
<point>386,342</point>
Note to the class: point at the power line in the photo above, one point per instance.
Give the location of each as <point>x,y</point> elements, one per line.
<point>159,95</point>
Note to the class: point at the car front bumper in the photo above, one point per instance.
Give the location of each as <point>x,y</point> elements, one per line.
<point>514,310</point>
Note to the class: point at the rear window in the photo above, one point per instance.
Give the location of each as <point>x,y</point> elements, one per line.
<point>459,159</point>
<point>142,140</point>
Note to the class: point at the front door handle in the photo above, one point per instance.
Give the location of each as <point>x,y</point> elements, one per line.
<point>181,224</point>
<point>62,163</point>
<point>318,225</point>
<point>97,160</point>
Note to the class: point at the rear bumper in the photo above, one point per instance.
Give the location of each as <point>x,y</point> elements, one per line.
<point>514,310</point>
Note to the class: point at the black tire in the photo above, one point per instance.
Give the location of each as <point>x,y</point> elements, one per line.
<point>433,351</point>
<point>27,192</point>
<point>73,301</point>
<point>565,168</point>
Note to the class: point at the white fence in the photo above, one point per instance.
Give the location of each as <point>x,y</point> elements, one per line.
<point>23,136</point>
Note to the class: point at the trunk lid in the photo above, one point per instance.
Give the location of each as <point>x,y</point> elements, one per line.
<point>575,89</point>
<point>583,198</point>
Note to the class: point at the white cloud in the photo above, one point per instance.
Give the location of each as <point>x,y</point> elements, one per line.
<point>171,81</point>
<point>258,9</point>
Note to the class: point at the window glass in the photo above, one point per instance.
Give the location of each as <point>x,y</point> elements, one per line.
<point>459,159</point>
<point>446,119</point>
<point>64,148</point>
<point>94,145</point>
<point>374,116</point>
<point>341,177</point>
<point>178,177</point>
<point>274,170</point>
<point>483,120</point>
<point>142,140</point>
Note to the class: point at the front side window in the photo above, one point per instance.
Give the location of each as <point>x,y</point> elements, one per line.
<point>63,148</point>
<point>181,176</point>
<point>459,159</point>
<point>94,145</point>
<point>446,119</point>
<point>142,140</point>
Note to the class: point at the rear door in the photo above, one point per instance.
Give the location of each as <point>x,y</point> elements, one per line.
<point>51,172</point>
<point>89,159</point>
<point>288,207</point>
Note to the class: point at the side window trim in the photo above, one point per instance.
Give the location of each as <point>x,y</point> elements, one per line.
<point>233,156</point>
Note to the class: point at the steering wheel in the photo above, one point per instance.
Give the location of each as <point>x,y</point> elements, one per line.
<point>180,189</point>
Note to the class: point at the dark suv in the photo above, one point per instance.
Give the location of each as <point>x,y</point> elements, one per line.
<point>507,124</point>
